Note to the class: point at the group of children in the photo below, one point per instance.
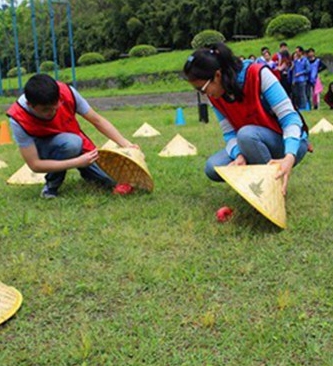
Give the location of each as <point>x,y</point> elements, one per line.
<point>298,73</point>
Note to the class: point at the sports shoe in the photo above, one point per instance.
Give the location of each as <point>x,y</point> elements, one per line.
<point>48,193</point>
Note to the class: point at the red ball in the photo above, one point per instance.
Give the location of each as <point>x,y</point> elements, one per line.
<point>123,188</point>
<point>224,214</point>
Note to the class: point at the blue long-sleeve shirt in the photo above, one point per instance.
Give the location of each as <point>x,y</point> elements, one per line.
<point>275,99</point>
<point>301,70</point>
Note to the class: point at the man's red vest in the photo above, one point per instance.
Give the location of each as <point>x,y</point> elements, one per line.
<point>250,110</point>
<point>63,121</point>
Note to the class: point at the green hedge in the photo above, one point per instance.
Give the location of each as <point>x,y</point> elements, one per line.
<point>91,58</point>
<point>14,72</point>
<point>206,38</point>
<point>47,66</point>
<point>142,50</point>
<point>288,25</point>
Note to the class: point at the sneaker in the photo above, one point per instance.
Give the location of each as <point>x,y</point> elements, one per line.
<point>48,193</point>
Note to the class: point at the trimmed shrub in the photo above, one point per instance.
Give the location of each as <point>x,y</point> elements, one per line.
<point>91,58</point>
<point>134,26</point>
<point>206,38</point>
<point>142,50</point>
<point>111,54</point>
<point>288,25</point>
<point>47,66</point>
<point>14,72</point>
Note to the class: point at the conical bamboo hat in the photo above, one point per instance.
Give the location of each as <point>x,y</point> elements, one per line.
<point>126,165</point>
<point>257,184</point>
<point>146,130</point>
<point>322,126</point>
<point>26,176</point>
<point>3,164</point>
<point>109,145</point>
<point>178,146</point>
<point>10,302</point>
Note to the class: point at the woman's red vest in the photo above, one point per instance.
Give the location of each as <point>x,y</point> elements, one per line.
<point>250,110</point>
<point>63,121</point>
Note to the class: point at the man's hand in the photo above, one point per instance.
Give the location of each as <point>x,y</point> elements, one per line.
<point>286,165</point>
<point>129,144</point>
<point>87,159</point>
<point>240,160</point>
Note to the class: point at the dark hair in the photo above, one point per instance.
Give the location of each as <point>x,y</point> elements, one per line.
<point>283,44</point>
<point>41,89</point>
<point>265,48</point>
<point>300,48</point>
<point>310,50</point>
<point>285,53</point>
<point>203,64</point>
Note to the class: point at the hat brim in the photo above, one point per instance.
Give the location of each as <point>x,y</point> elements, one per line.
<point>10,301</point>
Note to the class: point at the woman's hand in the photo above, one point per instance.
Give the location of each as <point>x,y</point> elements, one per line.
<point>286,165</point>
<point>240,160</point>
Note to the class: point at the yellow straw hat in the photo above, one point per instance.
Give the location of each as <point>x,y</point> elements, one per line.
<point>26,176</point>
<point>178,146</point>
<point>257,184</point>
<point>126,165</point>
<point>146,130</point>
<point>322,126</point>
<point>3,164</point>
<point>10,302</point>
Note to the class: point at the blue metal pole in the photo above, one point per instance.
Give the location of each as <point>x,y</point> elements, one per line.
<point>17,52</point>
<point>1,89</point>
<point>71,43</point>
<point>54,41</point>
<point>34,32</point>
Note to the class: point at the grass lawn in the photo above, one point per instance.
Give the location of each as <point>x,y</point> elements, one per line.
<point>166,62</point>
<point>153,279</point>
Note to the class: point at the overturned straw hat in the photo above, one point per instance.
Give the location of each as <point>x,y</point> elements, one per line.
<point>126,165</point>
<point>257,185</point>
<point>10,302</point>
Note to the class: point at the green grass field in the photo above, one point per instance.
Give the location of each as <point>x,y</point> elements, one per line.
<point>173,61</point>
<point>154,279</point>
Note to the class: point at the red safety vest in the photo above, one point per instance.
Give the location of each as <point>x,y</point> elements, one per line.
<point>250,110</point>
<point>63,121</point>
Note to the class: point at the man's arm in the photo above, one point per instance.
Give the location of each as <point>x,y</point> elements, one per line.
<point>106,128</point>
<point>37,165</point>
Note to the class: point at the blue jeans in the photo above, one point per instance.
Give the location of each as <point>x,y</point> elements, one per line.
<point>67,146</point>
<point>258,145</point>
<point>300,96</point>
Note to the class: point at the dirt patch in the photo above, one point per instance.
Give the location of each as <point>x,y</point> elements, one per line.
<point>186,98</point>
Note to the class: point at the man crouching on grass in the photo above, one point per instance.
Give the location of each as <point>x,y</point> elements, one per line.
<point>50,138</point>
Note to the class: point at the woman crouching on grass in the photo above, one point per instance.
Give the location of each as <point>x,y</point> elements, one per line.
<point>258,120</point>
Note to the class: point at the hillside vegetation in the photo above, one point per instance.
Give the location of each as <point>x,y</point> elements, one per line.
<point>164,63</point>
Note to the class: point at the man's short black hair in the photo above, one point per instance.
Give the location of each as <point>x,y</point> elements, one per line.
<point>41,89</point>
<point>300,48</point>
<point>265,48</point>
<point>283,44</point>
<point>310,50</point>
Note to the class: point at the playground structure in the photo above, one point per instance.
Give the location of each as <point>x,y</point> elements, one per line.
<point>51,13</point>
